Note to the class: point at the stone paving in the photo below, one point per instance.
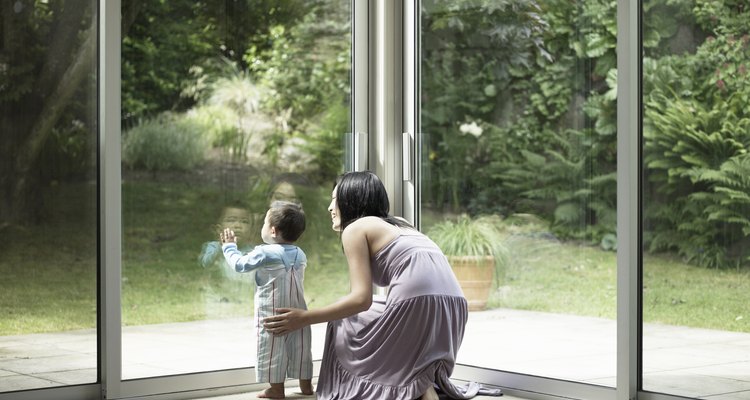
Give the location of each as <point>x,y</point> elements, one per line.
<point>690,362</point>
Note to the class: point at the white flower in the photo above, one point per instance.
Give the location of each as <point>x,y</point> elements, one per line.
<point>471,128</point>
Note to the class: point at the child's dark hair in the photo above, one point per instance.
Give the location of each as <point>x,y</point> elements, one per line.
<point>288,218</point>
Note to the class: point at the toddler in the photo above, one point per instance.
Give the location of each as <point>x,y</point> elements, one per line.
<point>279,267</point>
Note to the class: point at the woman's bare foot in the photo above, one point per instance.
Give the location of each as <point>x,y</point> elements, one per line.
<point>305,387</point>
<point>276,391</point>
<point>430,394</point>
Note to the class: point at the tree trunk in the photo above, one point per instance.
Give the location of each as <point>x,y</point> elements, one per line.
<point>28,119</point>
<point>53,106</point>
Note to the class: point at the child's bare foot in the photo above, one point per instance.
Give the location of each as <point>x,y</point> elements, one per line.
<point>274,392</point>
<point>430,394</point>
<point>305,387</point>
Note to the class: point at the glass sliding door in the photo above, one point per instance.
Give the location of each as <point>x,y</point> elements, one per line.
<point>225,109</point>
<point>696,136</point>
<point>518,139</point>
<point>48,194</point>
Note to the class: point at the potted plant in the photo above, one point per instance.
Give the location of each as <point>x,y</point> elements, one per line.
<point>475,250</point>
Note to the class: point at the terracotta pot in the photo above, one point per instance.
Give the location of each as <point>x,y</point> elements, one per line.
<point>474,274</point>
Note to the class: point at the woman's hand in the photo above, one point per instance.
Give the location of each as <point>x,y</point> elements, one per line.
<point>286,320</point>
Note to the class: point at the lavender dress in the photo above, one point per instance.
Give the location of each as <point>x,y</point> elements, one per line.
<point>406,341</point>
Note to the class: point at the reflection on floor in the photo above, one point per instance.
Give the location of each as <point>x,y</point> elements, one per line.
<point>696,363</point>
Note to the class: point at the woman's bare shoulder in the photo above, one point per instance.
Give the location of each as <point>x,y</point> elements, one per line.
<point>373,225</point>
<point>377,231</point>
<point>369,221</point>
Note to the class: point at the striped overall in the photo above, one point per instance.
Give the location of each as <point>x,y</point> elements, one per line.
<point>279,274</point>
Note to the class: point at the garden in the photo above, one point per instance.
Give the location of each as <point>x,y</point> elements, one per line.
<point>518,112</point>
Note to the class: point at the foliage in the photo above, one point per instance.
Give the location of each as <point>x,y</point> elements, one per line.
<point>164,143</point>
<point>325,142</point>
<point>575,150</point>
<point>47,97</point>
<point>560,183</point>
<point>462,152</point>
<point>240,102</point>
<point>509,88</point>
<point>308,91</point>
<point>305,82</point>
<point>29,26</point>
<point>494,40</point>
<point>531,125</point>
<point>169,38</point>
<point>70,151</point>
<point>165,40</point>
<point>473,236</point>
<point>536,152</point>
<point>219,126</point>
<point>697,132</point>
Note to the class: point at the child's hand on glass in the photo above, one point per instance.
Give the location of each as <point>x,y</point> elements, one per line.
<point>227,236</point>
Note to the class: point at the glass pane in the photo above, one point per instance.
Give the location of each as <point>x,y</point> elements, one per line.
<point>225,109</point>
<point>48,194</point>
<point>696,268</point>
<point>518,163</point>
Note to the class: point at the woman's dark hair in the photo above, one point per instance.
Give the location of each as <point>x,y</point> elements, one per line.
<point>362,194</point>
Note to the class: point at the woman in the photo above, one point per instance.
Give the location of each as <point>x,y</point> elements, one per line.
<point>399,346</point>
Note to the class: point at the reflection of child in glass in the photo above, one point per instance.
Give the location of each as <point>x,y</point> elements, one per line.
<point>239,220</point>
<point>279,268</point>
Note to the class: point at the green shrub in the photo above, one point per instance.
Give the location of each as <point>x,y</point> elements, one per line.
<point>219,124</point>
<point>697,137</point>
<point>163,143</point>
<point>325,142</point>
<point>572,184</point>
<point>473,51</point>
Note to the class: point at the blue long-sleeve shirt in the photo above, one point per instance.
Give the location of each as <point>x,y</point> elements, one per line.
<point>279,274</point>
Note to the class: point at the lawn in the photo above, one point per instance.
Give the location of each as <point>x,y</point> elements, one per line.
<point>550,276</point>
<point>164,228</point>
<point>49,270</point>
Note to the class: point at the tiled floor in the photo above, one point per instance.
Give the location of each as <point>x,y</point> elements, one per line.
<point>696,363</point>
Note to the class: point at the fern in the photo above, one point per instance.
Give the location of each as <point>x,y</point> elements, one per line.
<point>562,184</point>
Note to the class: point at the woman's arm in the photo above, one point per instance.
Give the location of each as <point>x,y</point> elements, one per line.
<point>359,298</point>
